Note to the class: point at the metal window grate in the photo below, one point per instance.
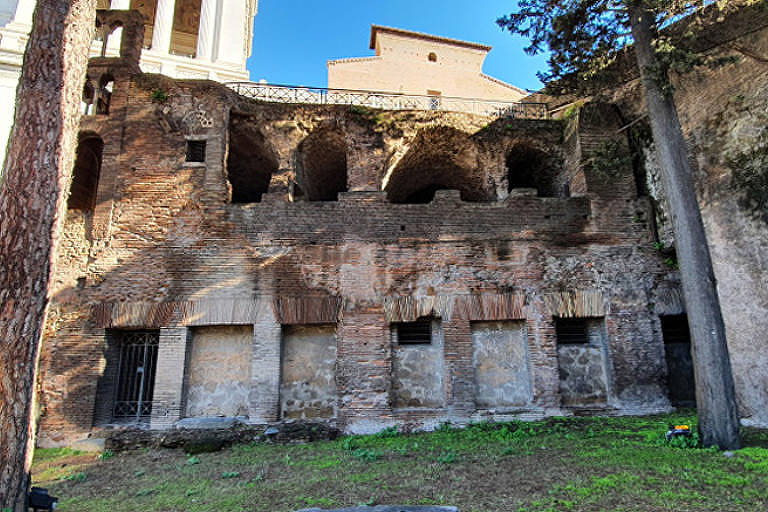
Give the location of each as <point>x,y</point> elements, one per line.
<point>418,332</point>
<point>195,151</point>
<point>136,374</point>
<point>571,331</point>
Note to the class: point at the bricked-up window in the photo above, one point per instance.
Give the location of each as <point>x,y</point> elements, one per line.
<point>195,151</point>
<point>415,333</point>
<point>85,175</point>
<point>571,331</point>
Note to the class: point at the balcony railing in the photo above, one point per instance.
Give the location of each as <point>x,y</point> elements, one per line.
<point>388,101</point>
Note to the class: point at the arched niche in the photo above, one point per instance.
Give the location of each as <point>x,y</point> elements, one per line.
<point>440,158</point>
<point>321,166</point>
<point>251,161</point>
<point>529,166</point>
<point>85,175</point>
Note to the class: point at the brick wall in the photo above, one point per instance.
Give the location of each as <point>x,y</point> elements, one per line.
<point>166,249</point>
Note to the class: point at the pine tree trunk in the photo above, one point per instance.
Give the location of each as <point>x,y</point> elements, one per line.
<point>33,189</point>
<point>715,395</point>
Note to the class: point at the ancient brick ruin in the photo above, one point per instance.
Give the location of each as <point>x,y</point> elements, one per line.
<point>229,257</point>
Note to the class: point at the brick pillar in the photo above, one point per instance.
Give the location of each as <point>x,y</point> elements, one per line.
<point>364,373</point>
<point>459,369</point>
<point>264,400</point>
<point>542,353</point>
<point>364,152</point>
<point>167,400</point>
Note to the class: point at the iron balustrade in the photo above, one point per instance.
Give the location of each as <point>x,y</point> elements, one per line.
<point>388,101</point>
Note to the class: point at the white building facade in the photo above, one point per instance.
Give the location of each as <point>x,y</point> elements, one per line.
<point>197,39</point>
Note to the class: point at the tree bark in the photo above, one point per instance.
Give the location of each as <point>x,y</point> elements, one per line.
<point>33,190</point>
<point>715,395</point>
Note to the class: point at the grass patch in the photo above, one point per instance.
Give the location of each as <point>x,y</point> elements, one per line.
<point>556,464</point>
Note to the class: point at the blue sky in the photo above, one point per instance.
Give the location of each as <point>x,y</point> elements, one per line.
<point>293,39</point>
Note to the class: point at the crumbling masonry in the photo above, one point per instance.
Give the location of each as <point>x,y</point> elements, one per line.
<point>227,257</point>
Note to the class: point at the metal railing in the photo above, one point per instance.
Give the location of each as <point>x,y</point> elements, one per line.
<point>388,101</point>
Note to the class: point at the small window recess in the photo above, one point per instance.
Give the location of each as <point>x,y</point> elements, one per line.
<point>571,331</point>
<point>195,151</point>
<point>434,99</point>
<point>432,57</point>
<point>414,333</point>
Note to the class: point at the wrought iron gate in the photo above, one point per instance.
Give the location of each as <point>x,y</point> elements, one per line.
<point>136,375</point>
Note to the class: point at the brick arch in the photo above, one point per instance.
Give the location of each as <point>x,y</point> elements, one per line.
<point>439,158</point>
<point>251,161</point>
<point>321,165</point>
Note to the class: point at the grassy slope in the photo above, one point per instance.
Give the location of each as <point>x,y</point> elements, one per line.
<point>560,464</point>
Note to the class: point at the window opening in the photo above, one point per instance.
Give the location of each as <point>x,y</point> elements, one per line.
<point>85,175</point>
<point>86,105</point>
<point>415,333</point>
<point>195,151</point>
<point>432,57</point>
<point>136,375</point>
<point>571,331</point>
<point>104,94</point>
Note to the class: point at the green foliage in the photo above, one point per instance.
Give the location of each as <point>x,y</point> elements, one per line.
<point>573,110</point>
<point>447,457</point>
<point>671,259</point>
<point>691,441</point>
<point>750,177</point>
<point>585,39</point>
<point>191,461</point>
<point>159,96</point>
<point>367,454</point>
<point>610,159</point>
<point>107,454</point>
<point>323,502</point>
<point>46,454</point>
<point>556,464</point>
<point>388,432</point>
<point>78,477</point>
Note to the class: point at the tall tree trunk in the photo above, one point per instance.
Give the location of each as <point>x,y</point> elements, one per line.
<point>715,395</point>
<point>33,188</point>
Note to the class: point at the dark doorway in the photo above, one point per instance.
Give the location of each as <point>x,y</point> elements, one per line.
<point>677,348</point>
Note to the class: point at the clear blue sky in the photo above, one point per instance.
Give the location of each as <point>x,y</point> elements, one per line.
<point>293,39</point>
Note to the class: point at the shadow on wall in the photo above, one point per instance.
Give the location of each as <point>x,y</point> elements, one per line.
<point>440,158</point>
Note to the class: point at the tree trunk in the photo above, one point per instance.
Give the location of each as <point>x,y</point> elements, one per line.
<point>715,395</point>
<point>33,190</point>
